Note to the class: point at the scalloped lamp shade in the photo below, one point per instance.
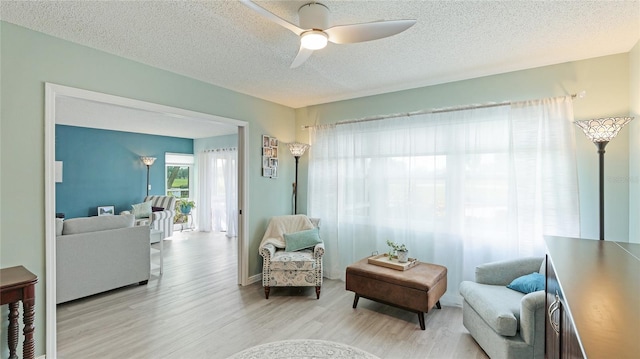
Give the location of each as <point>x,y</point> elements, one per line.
<point>148,161</point>
<point>600,132</point>
<point>297,149</point>
<point>603,129</point>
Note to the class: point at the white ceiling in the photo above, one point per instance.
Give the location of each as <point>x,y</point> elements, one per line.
<point>226,44</point>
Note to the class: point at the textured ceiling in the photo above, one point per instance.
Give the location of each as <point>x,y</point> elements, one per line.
<point>226,44</point>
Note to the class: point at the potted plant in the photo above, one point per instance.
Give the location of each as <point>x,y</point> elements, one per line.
<point>183,208</point>
<point>398,249</point>
<point>185,205</point>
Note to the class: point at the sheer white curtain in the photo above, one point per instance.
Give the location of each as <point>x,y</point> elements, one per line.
<point>218,194</point>
<point>458,188</point>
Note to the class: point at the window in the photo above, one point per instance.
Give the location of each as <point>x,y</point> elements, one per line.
<point>179,175</point>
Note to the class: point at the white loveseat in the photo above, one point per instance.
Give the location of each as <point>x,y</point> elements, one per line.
<point>97,254</point>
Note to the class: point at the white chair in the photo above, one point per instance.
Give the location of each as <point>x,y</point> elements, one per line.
<point>507,324</point>
<point>301,268</point>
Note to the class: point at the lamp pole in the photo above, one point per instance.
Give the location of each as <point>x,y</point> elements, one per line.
<point>297,150</point>
<point>601,146</point>
<point>148,184</point>
<point>295,188</point>
<point>601,131</point>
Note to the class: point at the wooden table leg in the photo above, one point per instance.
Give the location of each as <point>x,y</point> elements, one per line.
<point>355,300</point>
<point>18,284</point>
<point>12,337</point>
<point>421,320</point>
<point>28,304</point>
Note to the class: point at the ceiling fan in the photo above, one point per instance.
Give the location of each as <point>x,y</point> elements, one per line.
<point>314,30</point>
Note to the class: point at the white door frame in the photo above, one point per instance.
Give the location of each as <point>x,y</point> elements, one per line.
<point>52,91</point>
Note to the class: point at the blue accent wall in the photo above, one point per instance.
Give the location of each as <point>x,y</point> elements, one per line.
<point>103,168</point>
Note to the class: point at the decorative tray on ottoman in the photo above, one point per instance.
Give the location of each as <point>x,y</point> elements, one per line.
<point>384,261</point>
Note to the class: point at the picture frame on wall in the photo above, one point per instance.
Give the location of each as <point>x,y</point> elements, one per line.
<point>106,210</point>
<point>269,156</point>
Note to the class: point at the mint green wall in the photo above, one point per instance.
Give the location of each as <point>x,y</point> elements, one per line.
<point>28,60</point>
<point>606,81</point>
<point>634,144</point>
<point>201,144</point>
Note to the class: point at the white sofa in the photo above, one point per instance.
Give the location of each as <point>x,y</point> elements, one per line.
<point>97,254</point>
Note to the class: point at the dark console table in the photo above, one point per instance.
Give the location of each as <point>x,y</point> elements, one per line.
<point>18,284</point>
<point>593,299</point>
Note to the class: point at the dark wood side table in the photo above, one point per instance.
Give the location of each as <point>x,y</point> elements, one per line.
<point>18,284</point>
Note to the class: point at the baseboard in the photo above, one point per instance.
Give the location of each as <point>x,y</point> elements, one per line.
<point>255,278</point>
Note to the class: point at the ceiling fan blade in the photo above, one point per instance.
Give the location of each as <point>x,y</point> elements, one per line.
<point>349,34</point>
<point>273,17</point>
<point>303,55</point>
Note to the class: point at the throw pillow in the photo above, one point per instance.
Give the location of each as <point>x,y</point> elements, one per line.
<point>301,240</point>
<point>528,283</point>
<point>141,210</point>
<point>157,209</point>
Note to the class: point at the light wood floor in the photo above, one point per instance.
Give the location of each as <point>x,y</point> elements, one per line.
<point>196,310</point>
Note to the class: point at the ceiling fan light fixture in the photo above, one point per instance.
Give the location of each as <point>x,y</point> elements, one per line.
<point>314,39</point>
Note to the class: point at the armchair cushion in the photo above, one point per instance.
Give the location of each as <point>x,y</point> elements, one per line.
<point>497,305</point>
<point>300,260</point>
<point>528,283</point>
<point>301,240</point>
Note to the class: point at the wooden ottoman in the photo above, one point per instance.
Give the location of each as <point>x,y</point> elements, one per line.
<point>417,289</point>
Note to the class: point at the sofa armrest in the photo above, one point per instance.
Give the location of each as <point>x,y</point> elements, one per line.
<point>532,312</point>
<point>160,215</point>
<point>268,251</point>
<point>503,272</point>
<point>318,250</point>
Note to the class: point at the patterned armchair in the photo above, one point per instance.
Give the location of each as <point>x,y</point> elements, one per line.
<point>302,268</point>
<point>163,220</point>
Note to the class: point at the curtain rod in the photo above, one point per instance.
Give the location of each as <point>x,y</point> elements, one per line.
<point>221,149</point>
<point>580,94</point>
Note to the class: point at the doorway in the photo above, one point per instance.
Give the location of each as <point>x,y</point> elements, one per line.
<point>55,98</point>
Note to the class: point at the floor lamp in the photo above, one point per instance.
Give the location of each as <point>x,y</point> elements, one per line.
<point>297,150</point>
<point>600,132</point>
<point>148,161</point>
